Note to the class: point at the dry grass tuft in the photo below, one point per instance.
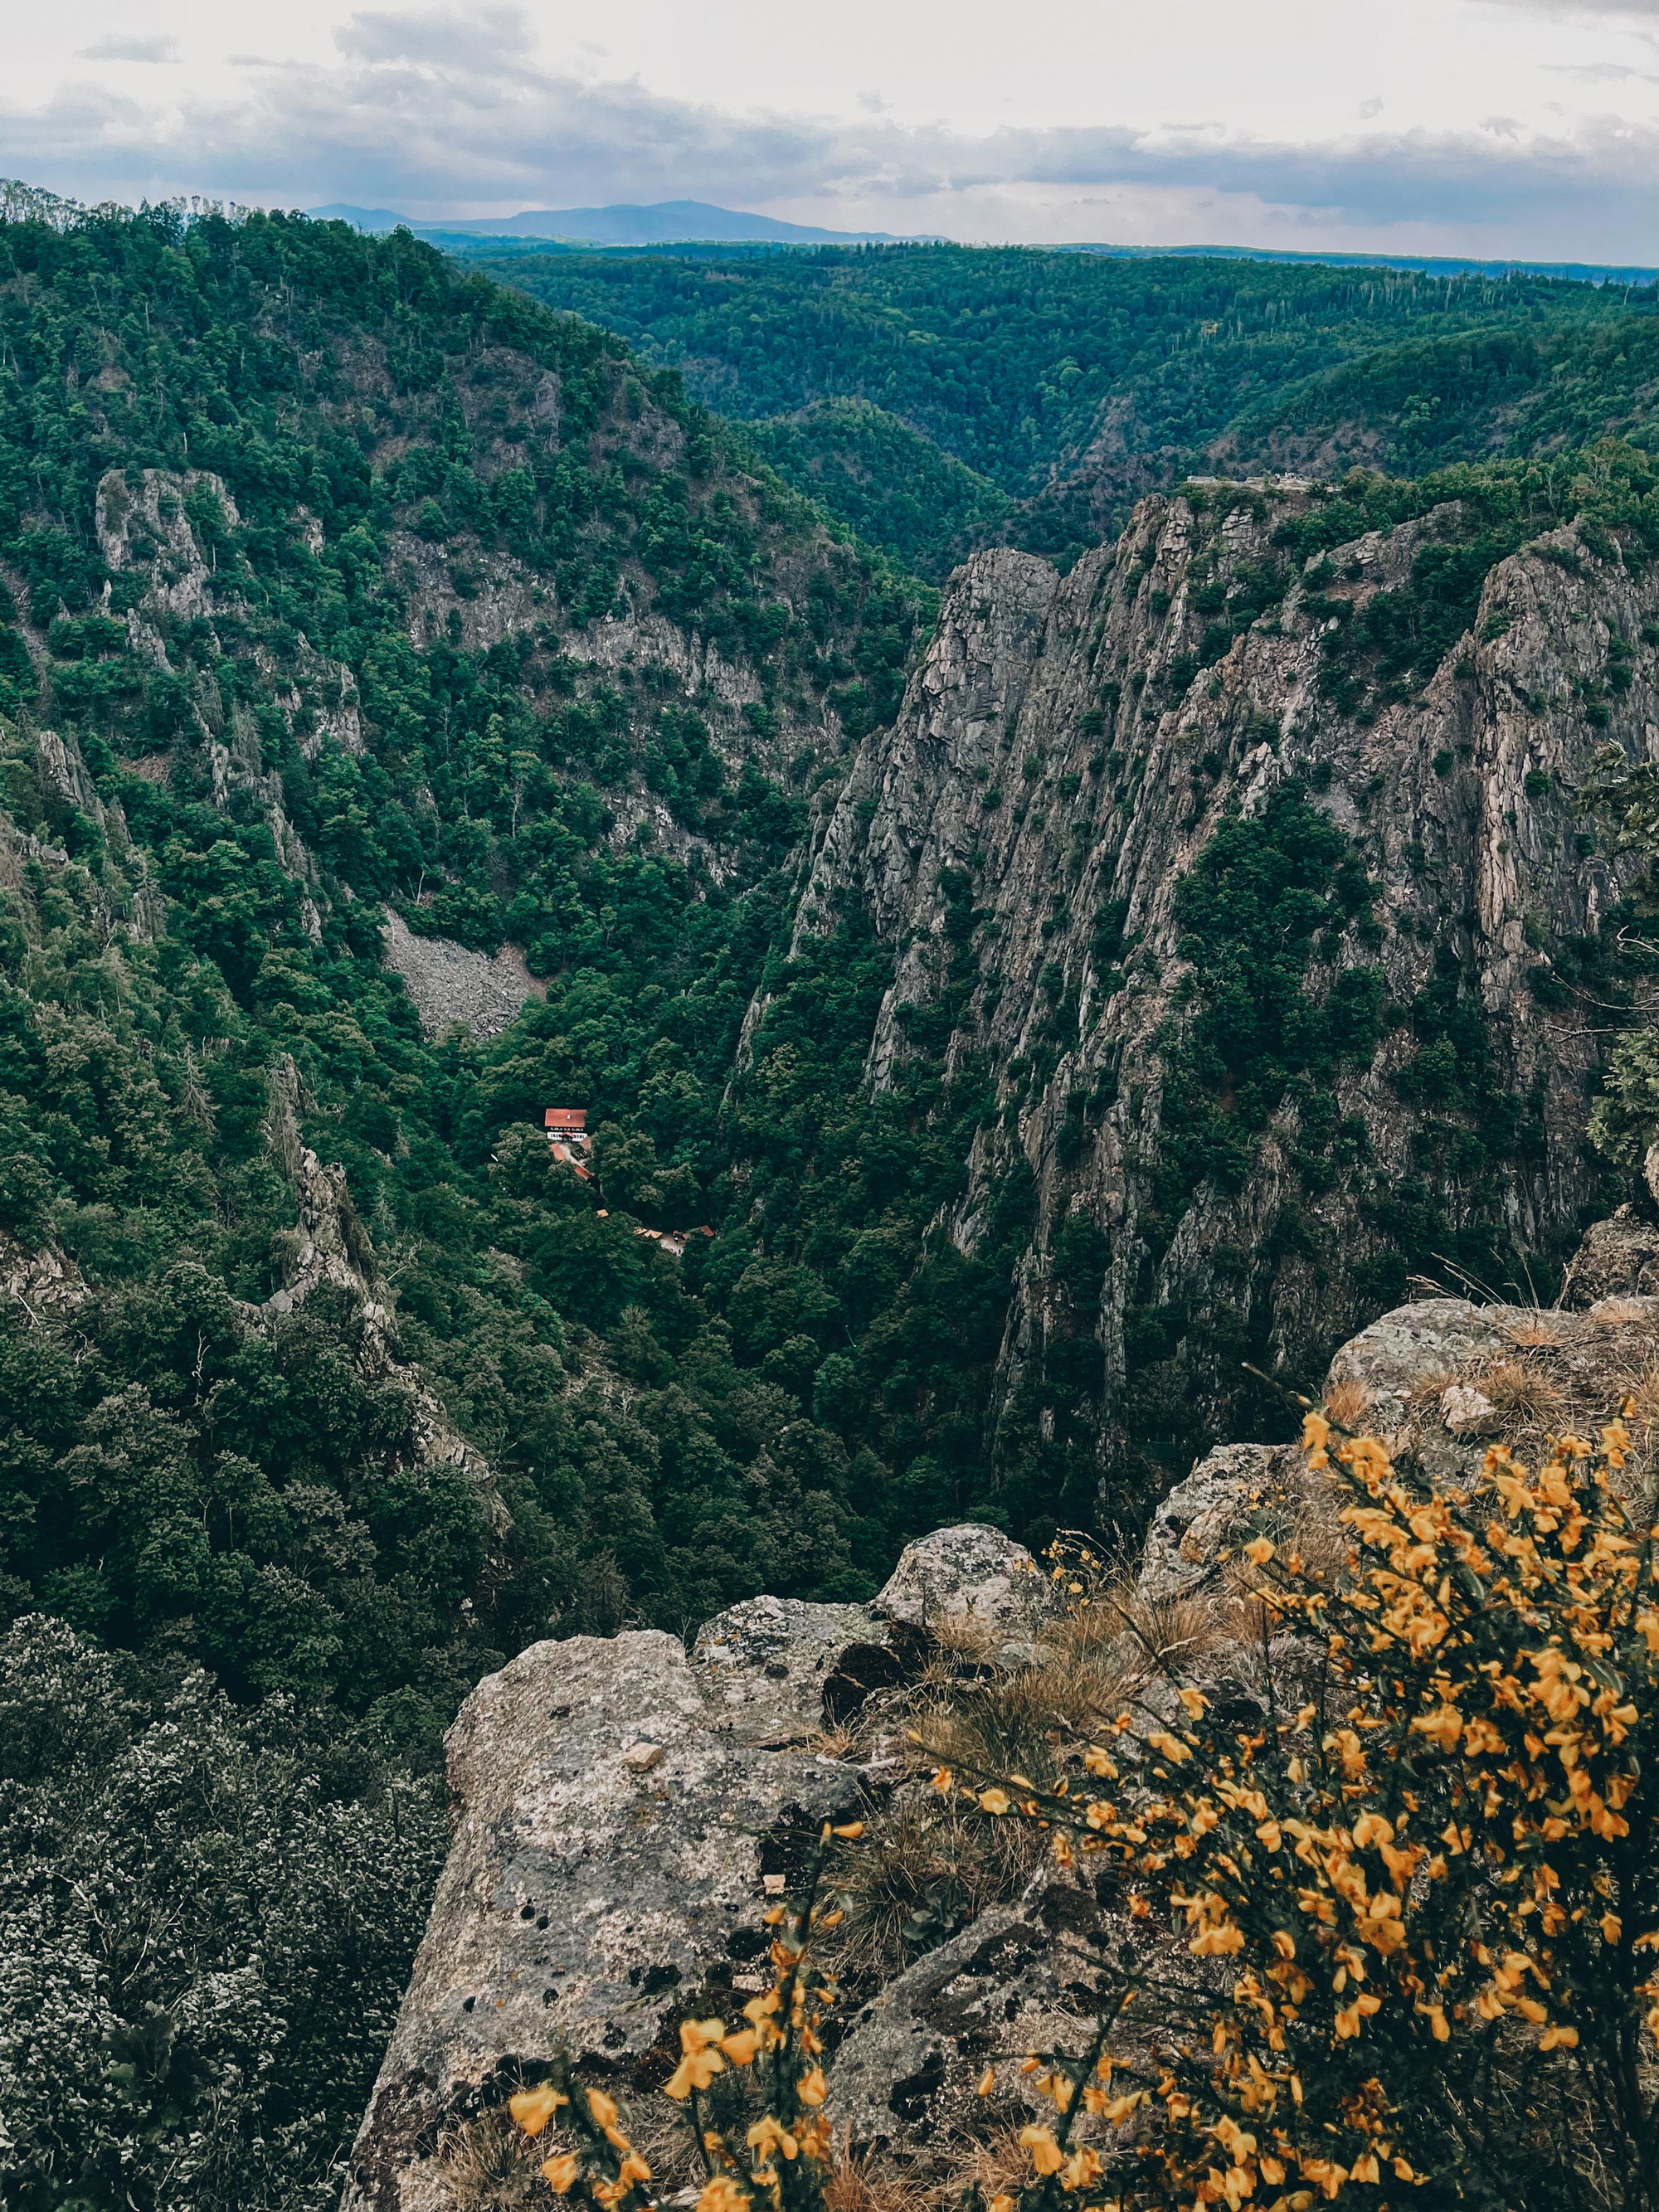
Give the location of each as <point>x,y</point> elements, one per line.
<point>489,2164</point>
<point>1428,1389</point>
<point>1643,1418</point>
<point>843,1740</point>
<point>866,2181</point>
<point>923,1872</point>
<point>1522,1393</point>
<point>1318,1539</point>
<point>1534,1328</point>
<point>1346,1405</point>
<point>1618,1313</point>
<point>967,1639</point>
<point>996,2164</point>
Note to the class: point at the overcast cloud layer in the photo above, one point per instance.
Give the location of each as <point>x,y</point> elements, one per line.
<point>491,110</point>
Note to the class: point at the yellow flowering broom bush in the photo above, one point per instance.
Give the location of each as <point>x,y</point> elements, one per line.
<point>752,2092</point>
<point>1421,1909</point>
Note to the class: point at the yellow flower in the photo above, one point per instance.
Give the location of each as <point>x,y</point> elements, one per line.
<point>812,2088</point>
<point>1259,1550</point>
<point>993,1801</point>
<point>1047,2156</point>
<point>1171,1746</point>
<point>560,2173</point>
<point>693,2074</point>
<point>768,2135</point>
<point>988,2082</point>
<point>534,2108</point>
<point>722,2194</point>
<point>739,2048</point>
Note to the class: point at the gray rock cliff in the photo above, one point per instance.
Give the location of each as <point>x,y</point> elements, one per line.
<point>1067,751</point>
<point>623,1812</point>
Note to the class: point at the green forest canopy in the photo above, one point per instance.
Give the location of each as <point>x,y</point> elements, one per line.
<point>1072,382</point>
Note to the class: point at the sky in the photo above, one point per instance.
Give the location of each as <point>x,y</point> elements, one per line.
<point>1526,128</point>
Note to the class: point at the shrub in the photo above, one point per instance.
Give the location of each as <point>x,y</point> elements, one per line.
<point>1420,1912</point>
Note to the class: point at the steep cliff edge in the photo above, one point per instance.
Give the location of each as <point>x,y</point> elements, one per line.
<point>1268,905</point>
<point>625,1810</point>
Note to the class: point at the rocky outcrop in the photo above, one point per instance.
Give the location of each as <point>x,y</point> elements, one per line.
<point>1231,1493</point>
<point>624,1812</point>
<point>1381,1370</point>
<point>147,525</point>
<point>329,1246</point>
<point>624,1809</point>
<point>1067,751</point>
<point>971,1584</point>
<point>619,1806</point>
<point>1617,1259</point>
<point>45,1282</point>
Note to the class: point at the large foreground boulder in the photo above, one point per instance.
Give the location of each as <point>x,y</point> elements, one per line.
<point>619,1804</point>
<point>624,1813</point>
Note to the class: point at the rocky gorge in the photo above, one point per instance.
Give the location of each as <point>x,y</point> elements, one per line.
<point>1269,896</point>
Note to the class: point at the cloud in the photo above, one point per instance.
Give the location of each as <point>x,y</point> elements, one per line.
<point>471,42</point>
<point>116,49</point>
<point>1580,7</point>
<point>452,112</point>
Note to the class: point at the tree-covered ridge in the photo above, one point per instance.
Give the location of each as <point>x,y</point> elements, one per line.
<point>892,484</point>
<point>335,579</point>
<point>272,488</point>
<point>1075,382</point>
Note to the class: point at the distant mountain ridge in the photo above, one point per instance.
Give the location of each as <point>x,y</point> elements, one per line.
<point>666,223</point>
<point>687,222</point>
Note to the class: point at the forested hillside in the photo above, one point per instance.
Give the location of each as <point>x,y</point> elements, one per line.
<point>1073,384</point>
<point>335,580</point>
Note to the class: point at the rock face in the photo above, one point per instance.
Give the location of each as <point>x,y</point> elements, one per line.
<point>330,1246</point>
<point>1383,1367</point>
<point>971,1582</point>
<point>1229,1492</point>
<point>1617,1259</point>
<point>1067,751</point>
<point>619,1805</point>
<point>624,1811</point>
